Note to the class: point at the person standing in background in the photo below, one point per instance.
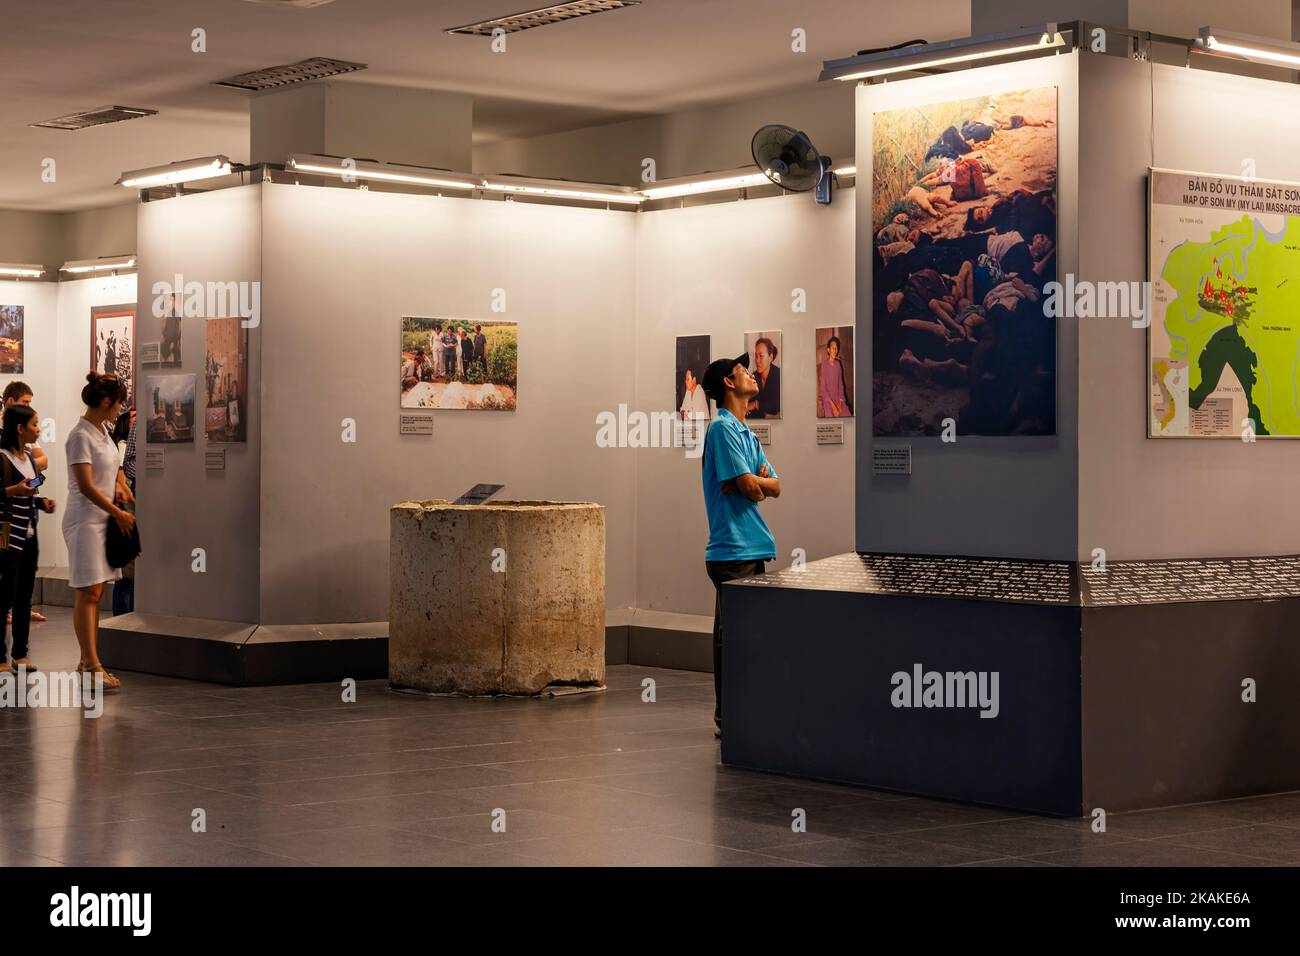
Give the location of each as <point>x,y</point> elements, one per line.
<point>466,352</point>
<point>124,589</point>
<point>20,393</point>
<point>449,352</point>
<point>19,513</point>
<point>737,477</point>
<point>480,348</point>
<point>92,478</point>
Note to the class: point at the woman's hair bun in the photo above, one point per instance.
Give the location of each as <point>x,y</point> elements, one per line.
<point>102,385</point>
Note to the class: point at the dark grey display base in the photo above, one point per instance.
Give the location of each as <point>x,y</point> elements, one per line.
<point>229,652</point>
<point>1116,690</point>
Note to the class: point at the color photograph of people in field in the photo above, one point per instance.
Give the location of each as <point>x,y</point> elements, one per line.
<point>964,241</point>
<point>459,363</point>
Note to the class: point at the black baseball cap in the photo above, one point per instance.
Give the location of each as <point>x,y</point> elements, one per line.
<point>717,371</point>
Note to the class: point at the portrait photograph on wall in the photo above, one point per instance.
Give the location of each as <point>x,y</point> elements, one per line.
<point>225,379</point>
<point>11,339</point>
<point>459,364</point>
<point>964,234</point>
<point>169,344</point>
<point>833,354</point>
<point>692,360</point>
<point>764,350</point>
<point>169,408</point>
<point>112,344</point>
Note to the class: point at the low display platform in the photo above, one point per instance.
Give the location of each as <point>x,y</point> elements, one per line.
<point>230,652</point>
<point>1045,686</point>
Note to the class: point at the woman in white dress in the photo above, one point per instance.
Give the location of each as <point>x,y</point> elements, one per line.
<point>92,477</point>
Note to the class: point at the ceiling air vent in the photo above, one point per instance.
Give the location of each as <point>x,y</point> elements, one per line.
<point>274,77</point>
<point>556,13</point>
<point>99,117</point>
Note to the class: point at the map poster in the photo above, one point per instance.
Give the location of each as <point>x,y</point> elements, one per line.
<point>1224,335</point>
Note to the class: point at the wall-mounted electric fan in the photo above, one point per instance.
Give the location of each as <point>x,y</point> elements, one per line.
<point>788,158</point>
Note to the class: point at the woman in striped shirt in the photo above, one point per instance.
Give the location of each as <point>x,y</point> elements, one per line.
<point>19,512</point>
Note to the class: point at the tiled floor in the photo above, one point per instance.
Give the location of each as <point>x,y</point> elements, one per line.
<point>293,776</point>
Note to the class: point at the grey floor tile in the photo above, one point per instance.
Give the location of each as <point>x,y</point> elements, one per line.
<point>294,775</point>
<point>878,850</point>
<point>1265,841</point>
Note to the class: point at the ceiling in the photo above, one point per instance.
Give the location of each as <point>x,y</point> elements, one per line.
<point>663,56</point>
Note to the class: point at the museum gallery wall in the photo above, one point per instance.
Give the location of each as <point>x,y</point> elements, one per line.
<point>1144,497</point>
<point>558,286</point>
<point>197,488</point>
<point>1003,482</point>
<point>55,359</point>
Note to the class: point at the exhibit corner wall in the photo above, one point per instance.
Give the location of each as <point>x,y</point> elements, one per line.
<point>56,357</point>
<point>997,497</point>
<point>1187,497</point>
<point>722,270</point>
<point>341,269</point>
<point>210,237</point>
<point>599,297</point>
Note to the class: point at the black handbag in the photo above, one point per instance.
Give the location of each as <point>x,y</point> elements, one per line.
<point>119,548</point>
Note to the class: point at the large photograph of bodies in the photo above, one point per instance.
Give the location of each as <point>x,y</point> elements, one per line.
<point>964,240</point>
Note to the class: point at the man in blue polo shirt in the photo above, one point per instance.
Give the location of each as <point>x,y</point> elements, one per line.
<point>737,476</point>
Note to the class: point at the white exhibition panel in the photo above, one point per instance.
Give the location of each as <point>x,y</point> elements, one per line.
<point>71,364</point>
<point>41,320</point>
<point>56,357</point>
<point>341,269</point>
<point>211,237</point>
<point>725,269</point>
<point>1001,497</point>
<point>1192,497</point>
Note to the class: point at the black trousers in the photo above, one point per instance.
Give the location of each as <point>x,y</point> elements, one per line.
<point>17,579</point>
<point>720,571</point>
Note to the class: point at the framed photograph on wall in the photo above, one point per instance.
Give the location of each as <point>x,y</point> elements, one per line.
<point>833,358</point>
<point>963,224</point>
<point>169,345</point>
<point>692,360</point>
<point>169,408</point>
<point>112,344</point>
<point>459,363</point>
<point>11,339</point>
<point>764,349</point>
<point>225,380</point>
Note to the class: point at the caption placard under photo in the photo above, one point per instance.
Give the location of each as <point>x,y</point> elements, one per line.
<point>415,425</point>
<point>896,460</point>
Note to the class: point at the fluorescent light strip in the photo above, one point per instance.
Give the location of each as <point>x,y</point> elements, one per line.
<point>1256,49</point>
<point>561,192</point>
<point>17,270</point>
<point>845,171</point>
<point>1044,43</point>
<point>694,187</point>
<point>327,167</point>
<point>185,171</point>
<point>99,265</point>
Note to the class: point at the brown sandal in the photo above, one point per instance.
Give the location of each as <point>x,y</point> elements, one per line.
<point>110,682</point>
